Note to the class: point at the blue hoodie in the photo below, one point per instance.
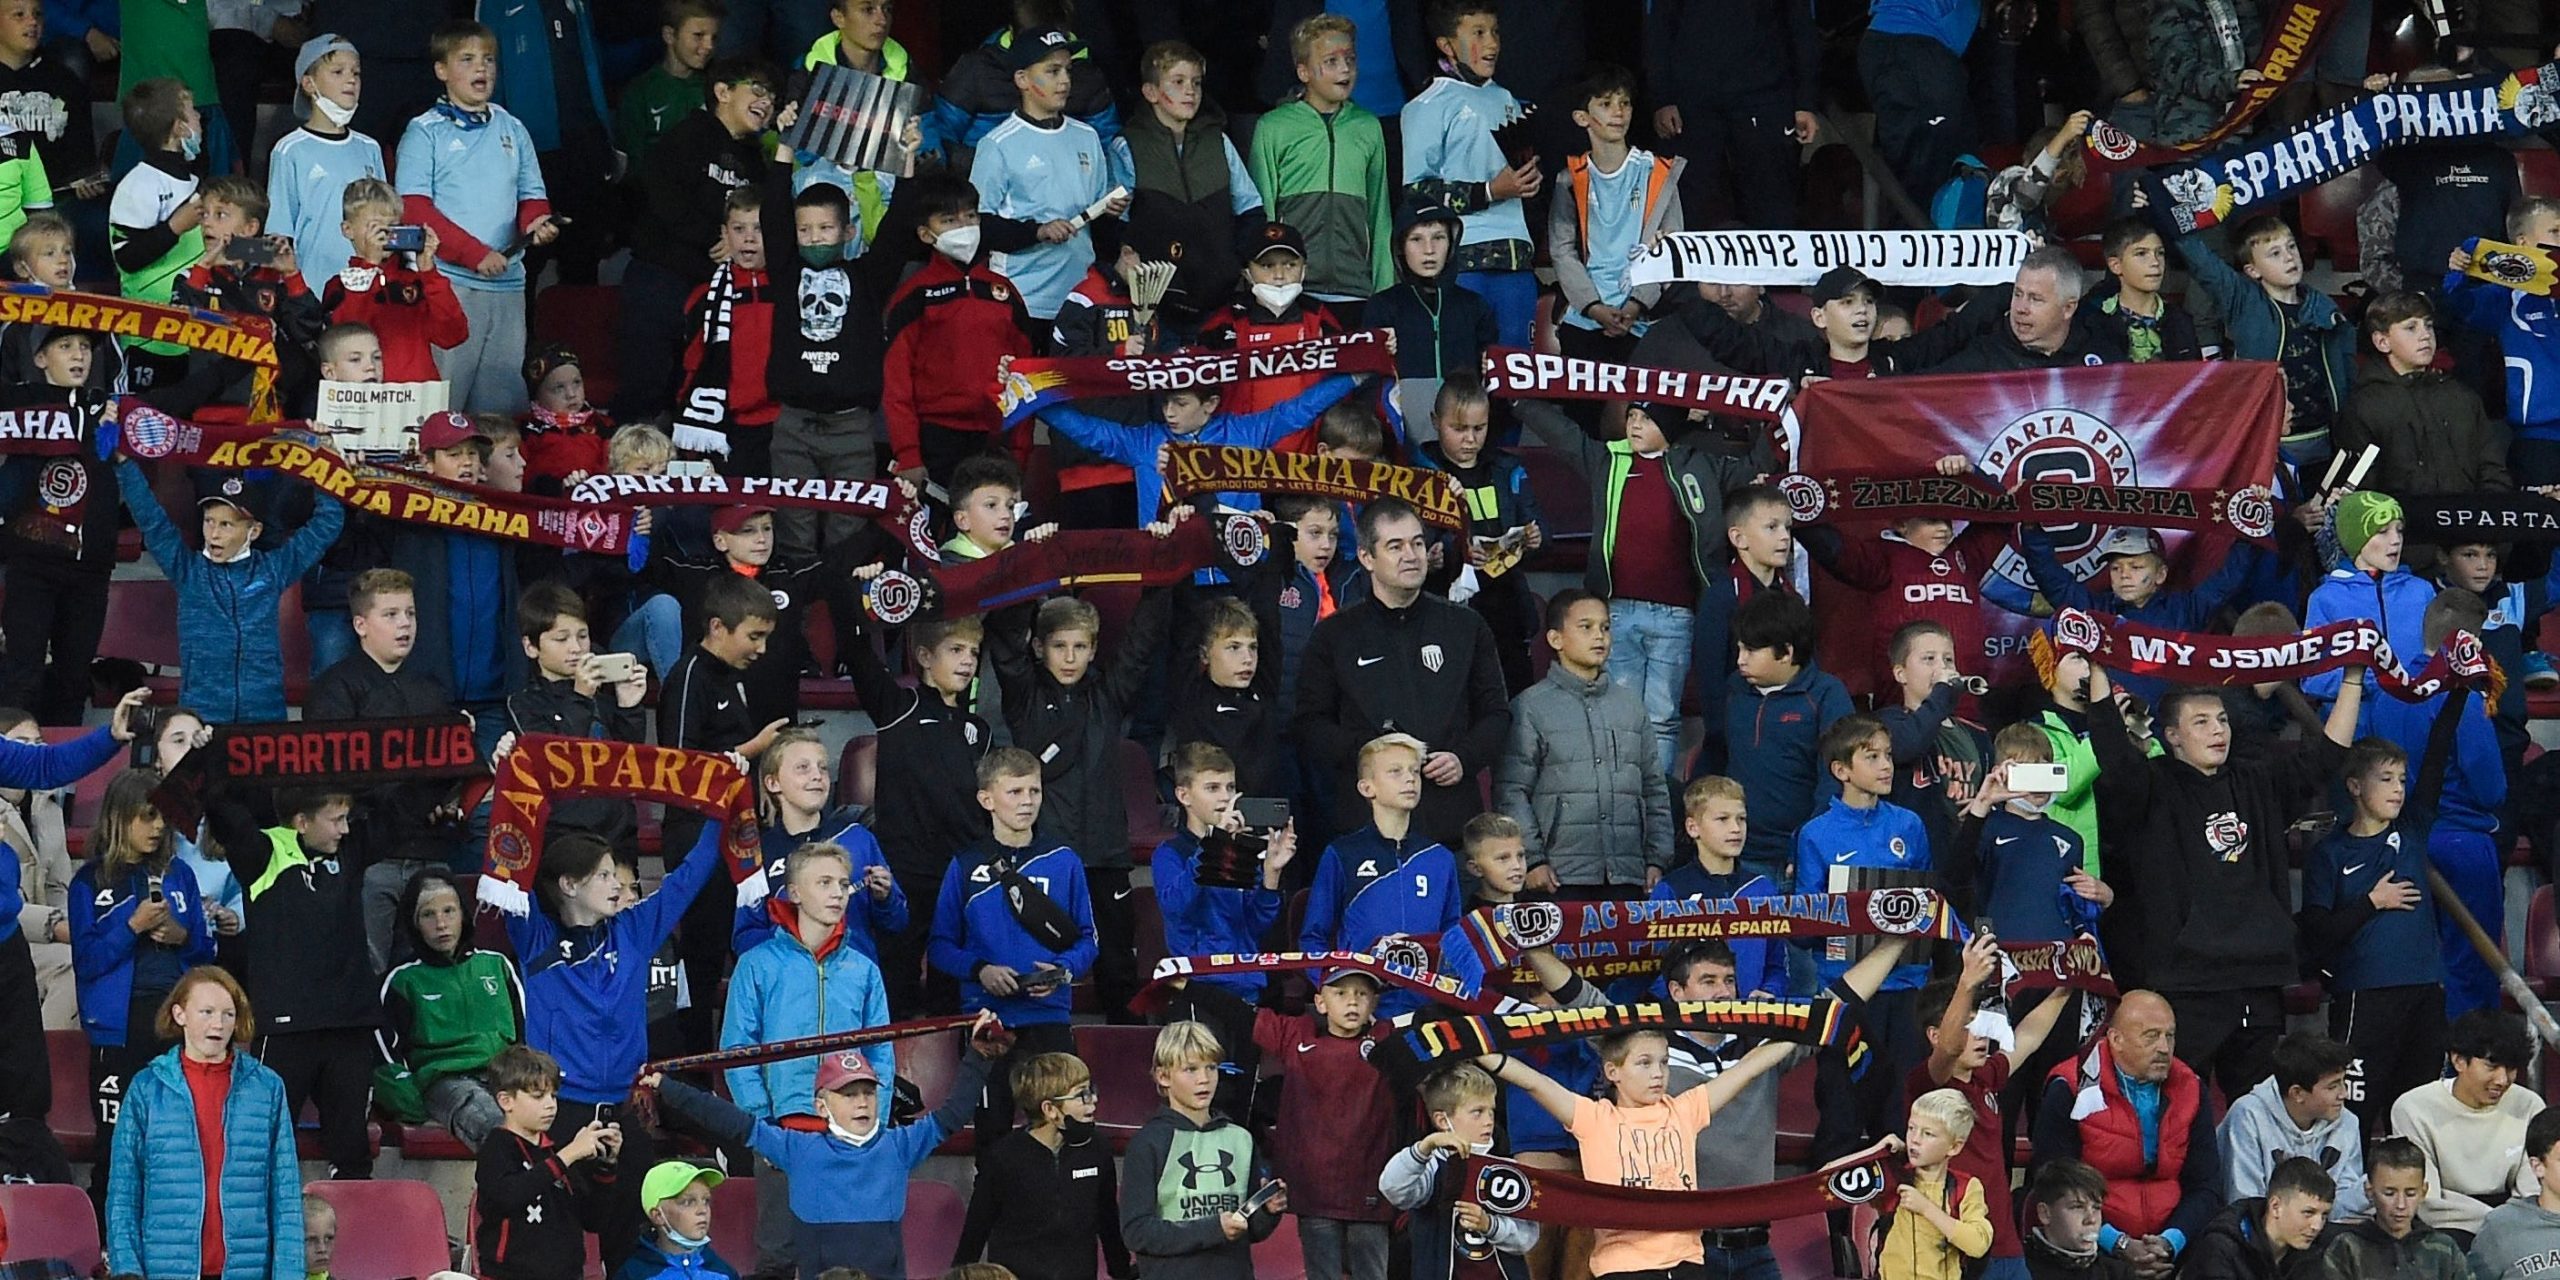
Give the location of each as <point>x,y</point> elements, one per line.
<point>103,945</point>
<point>2398,600</point>
<point>1773,748</point>
<point>1208,920</point>
<point>586,989</point>
<point>973,926</point>
<point>1886,836</point>
<point>1368,887</point>
<point>44,767</point>
<point>2528,331</point>
<point>2475,779</point>
<point>864,917</point>
<point>782,991</point>
<point>649,1262</point>
<point>2188,610</point>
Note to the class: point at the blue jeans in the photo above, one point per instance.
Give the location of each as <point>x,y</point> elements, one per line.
<point>1755,1263</point>
<point>655,631</point>
<point>1513,295</point>
<point>1649,653</point>
<point>333,637</point>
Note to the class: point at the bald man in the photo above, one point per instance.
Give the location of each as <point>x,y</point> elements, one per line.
<point>2130,1108</point>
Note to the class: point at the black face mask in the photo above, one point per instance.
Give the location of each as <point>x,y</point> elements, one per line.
<point>1076,1132</point>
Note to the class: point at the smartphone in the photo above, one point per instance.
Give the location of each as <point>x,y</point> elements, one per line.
<point>1044,975</point>
<point>2029,776</point>
<point>154,885</point>
<point>251,251</point>
<point>1263,814</point>
<point>607,1113</point>
<point>407,238</point>
<point>1262,1196</point>
<point>612,668</point>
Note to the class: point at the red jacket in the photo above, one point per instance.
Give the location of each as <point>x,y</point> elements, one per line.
<point>411,312</point>
<point>730,338</point>
<point>1245,326</point>
<point>947,329</point>
<point>1905,584</point>
<point>1097,319</point>
<point>557,447</point>
<point>1337,1123</point>
<point>2142,1195</point>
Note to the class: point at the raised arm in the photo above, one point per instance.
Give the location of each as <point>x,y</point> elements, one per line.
<point>1558,1100</point>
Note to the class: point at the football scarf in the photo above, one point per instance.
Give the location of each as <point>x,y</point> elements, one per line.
<point>2347,136</point>
<point>709,404</point>
<point>1516,1190</point>
<point>2249,511</point>
<point>1035,384</point>
<point>545,767</point>
<point>2194,657</point>
<point>350,753</point>
<point>249,339</point>
<point>2078,963</point>
<point>2454,518</point>
<point>1063,561</point>
<point>756,1055</point>
<point>1823,1021</point>
<point>878,500</point>
<point>1512,373</point>
<point>1605,941</point>
<point>1891,258</point>
<point>2511,266</point>
<point>2293,40</point>
<point>1390,969</point>
<point>1195,469</point>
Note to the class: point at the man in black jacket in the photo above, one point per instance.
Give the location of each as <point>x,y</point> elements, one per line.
<point>2043,329</point>
<point>1737,82</point>
<point>1404,662</point>
<point>2212,896</point>
<point>398,828</point>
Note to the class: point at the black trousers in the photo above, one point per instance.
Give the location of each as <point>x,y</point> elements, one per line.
<point>111,1068</point>
<point>648,341</point>
<point>26,1074</point>
<point>1924,113</point>
<point>2397,1035</point>
<point>52,617</point>
<point>914,992</point>
<point>702,939</point>
<point>1115,934</point>
<point>996,1105</point>
<point>2230,1036</point>
<point>1744,163</point>
<point>331,1068</point>
<point>618,1232</point>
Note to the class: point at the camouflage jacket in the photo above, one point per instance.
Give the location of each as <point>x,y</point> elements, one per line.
<point>2197,49</point>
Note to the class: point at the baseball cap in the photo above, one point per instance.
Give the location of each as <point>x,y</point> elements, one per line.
<point>732,519</point>
<point>313,50</point>
<point>446,428</point>
<point>1030,47</point>
<point>1840,282</point>
<point>2125,540</point>
<point>1278,235</point>
<point>229,490</point>
<point>667,1180</point>
<point>1332,976</point>
<point>843,1069</point>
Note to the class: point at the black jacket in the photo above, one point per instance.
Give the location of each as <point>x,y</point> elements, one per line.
<point>1430,669</point>
<point>308,966</point>
<point>1997,349</point>
<point>1732,53</point>
<point>2211,872</point>
<point>1774,351</point>
<point>703,705</point>
<point>534,1210</point>
<point>827,351</point>
<point>1249,724</point>
<point>684,190</point>
<point>1076,729</point>
<point>927,787</point>
<point>2044,1262</point>
<point>796,582</point>
<point>2235,1248</point>
<point>556,706</point>
<point>64,507</point>
<point>1038,1212</point>
<point>394,820</point>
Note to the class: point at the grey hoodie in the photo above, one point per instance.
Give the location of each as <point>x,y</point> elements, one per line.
<point>2519,1240</point>
<point>2256,1135</point>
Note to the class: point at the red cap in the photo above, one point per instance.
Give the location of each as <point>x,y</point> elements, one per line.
<point>843,1070</point>
<point>732,519</point>
<point>446,428</point>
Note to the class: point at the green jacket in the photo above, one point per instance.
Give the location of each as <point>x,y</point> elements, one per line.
<point>2077,806</point>
<point>1327,177</point>
<point>444,1018</point>
<point>868,199</point>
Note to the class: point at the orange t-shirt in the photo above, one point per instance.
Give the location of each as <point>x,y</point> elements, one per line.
<point>1656,1147</point>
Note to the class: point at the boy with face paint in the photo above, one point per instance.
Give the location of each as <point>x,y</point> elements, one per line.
<point>1040,169</point>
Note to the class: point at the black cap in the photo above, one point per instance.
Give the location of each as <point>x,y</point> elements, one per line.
<point>1840,282</point>
<point>1277,235</point>
<point>1029,47</point>
<point>231,489</point>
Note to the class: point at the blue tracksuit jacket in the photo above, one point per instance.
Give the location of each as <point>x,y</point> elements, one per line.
<point>864,918</point>
<point>973,926</point>
<point>1887,836</point>
<point>1207,920</point>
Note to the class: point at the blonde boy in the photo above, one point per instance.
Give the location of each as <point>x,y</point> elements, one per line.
<point>1717,819</point>
<point>1341,914</point>
<point>1192,1185</point>
<point>1940,1217</point>
<point>313,166</point>
<point>1460,1101</point>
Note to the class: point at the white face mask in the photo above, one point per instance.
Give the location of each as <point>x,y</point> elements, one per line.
<point>960,244</point>
<point>1277,296</point>
<point>857,1139</point>
<point>336,115</point>
<point>681,1240</point>
<point>2031,804</point>
<point>1480,1148</point>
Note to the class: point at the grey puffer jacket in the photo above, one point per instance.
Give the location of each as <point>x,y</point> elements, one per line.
<point>1581,778</point>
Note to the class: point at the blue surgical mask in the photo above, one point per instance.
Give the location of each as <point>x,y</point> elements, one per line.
<point>690,1244</point>
<point>191,145</point>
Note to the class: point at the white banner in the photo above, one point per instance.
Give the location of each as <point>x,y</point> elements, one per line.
<point>1921,258</point>
<point>377,418</point>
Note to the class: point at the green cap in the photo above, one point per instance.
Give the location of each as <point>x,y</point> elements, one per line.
<point>2361,515</point>
<point>668,1180</point>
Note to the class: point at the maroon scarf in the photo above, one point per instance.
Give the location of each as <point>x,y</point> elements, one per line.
<point>545,767</point>
<point>2249,512</point>
<point>1076,558</point>
<point>1601,939</point>
<point>2194,657</point>
<point>2077,963</point>
<point>756,1055</point>
<point>878,500</point>
<point>1435,987</point>
<point>2292,43</point>
<point>1035,384</point>
<point>1196,469</point>
<point>1512,373</point>
<point>1519,1191</point>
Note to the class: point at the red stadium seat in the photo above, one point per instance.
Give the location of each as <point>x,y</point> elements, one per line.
<point>1123,1063</point>
<point>733,1223</point>
<point>1149,929</point>
<point>2329,214</point>
<point>2542,944</point>
<point>2538,172</point>
<point>432,1142</point>
<point>858,772</point>
<point>581,316</point>
<point>932,1065</point>
<point>139,613</point>
<point>387,1230</point>
<point>74,1125</point>
<point>935,1213</point>
<point>51,1221</point>
<point>1281,1257</point>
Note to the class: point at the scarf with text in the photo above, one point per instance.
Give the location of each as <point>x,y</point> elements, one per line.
<point>706,406</point>
<point>1604,941</point>
<point>1195,469</point>
<point>2077,963</point>
<point>1028,570</point>
<point>2249,511</point>
<point>2345,137</point>
<point>1516,374</point>
<point>1823,1021</point>
<point>879,500</point>
<point>2523,268</point>
<point>1034,384</point>
<point>1390,971</point>
<point>1892,258</point>
<point>756,1055</point>
<point>2293,35</point>
<point>545,767</point>
<point>249,339</point>
<point>2194,657</point>
<point>2454,518</point>
<point>1517,1190</point>
<point>341,753</point>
